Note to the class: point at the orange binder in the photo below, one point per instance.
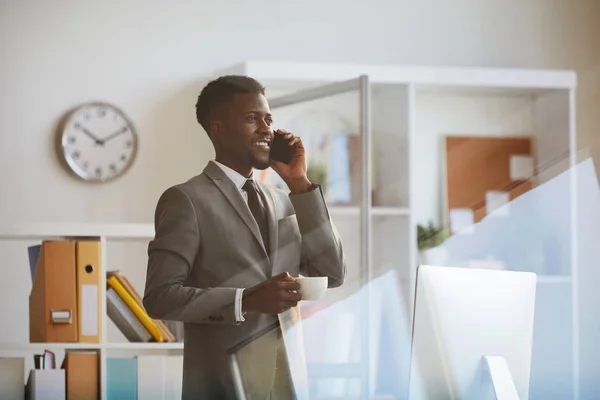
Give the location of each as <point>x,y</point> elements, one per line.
<point>88,259</point>
<point>53,298</point>
<point>81,373</point>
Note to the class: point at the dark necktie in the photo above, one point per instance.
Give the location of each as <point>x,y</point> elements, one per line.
<point>258,210</point>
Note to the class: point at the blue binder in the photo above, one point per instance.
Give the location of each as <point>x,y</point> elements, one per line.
<point>121,379</point>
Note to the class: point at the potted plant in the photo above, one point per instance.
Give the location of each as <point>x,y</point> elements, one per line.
<point>317,172</point>
<point>429,239</point>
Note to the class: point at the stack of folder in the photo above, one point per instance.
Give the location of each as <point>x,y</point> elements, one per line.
<point>82,370</point>
<point>78,377</point>
<point>65,298</point>
<point>64,303</point>
<point>12,378</point>
<point>125,308</point>
<point>153,377</point>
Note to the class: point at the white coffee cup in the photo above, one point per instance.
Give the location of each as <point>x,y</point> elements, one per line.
<point>312,287</point>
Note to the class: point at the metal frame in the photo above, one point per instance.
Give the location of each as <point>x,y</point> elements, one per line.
<point>574,242</point>
<point>362,85</point>
<point>315,93</point>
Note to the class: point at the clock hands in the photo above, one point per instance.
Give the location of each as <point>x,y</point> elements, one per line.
<point>98,141</point>
<point>113,135</point>
<point>90,134</point>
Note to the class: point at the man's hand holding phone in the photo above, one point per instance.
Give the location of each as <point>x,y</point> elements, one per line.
<point>293,173</point>
<point>273,296</point>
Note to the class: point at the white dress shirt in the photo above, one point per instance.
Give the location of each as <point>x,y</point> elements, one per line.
<point>238,180</point>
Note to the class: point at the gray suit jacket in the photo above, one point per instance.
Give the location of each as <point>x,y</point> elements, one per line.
<point>207,245</point>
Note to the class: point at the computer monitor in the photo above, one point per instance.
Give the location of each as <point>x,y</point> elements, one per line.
<point>472,334</point>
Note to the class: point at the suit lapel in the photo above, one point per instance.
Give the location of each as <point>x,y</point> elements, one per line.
<point>232,195</point>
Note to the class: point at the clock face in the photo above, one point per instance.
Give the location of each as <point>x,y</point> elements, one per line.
<point>98,142</point>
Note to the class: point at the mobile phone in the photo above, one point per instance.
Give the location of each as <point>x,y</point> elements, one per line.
<point>281,150</point>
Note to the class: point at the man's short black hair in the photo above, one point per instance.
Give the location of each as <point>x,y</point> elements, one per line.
<point>220,91</point>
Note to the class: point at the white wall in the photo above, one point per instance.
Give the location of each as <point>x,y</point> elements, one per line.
<point>149,58</point>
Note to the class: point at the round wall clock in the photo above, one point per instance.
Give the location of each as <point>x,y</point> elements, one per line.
<point>97,142</point>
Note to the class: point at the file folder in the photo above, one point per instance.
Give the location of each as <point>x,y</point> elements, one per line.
<point>159,377</point>
<point>167,335</point>
<point>88,261</point>
<point>122,316</point>
<point>138,311</point>
<point>53,297</point>
<point>82,371</point>
<point>34,254</point>
<point>12,377</point>
<point>46,384</point>
<point>121,378</point>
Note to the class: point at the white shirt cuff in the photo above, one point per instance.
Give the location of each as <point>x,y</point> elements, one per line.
<point>239,315</point>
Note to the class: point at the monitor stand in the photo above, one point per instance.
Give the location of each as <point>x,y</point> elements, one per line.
<point>502,381</point>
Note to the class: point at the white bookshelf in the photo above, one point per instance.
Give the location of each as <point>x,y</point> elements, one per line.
<point>355,211</point>
<point>285,73</point>
<point>401,113</point>
<point>133,231</point>
<point>90,346</point>
<point>110,231</point>
<point>106,233</point>
<point>111,234</point>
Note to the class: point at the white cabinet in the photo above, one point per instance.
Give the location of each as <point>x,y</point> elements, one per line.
<point>401,115</point>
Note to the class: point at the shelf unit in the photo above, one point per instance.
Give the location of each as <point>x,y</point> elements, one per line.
<point>105,232</point>
<point>109,234</point>
<point>132,231</point>
<point>89,346</point>
<point>44,230</point>
<point>401,113</point>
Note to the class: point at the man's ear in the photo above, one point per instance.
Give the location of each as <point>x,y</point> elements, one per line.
<point>216,129</point>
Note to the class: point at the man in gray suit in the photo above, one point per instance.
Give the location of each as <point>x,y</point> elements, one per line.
<point>227,248</point>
